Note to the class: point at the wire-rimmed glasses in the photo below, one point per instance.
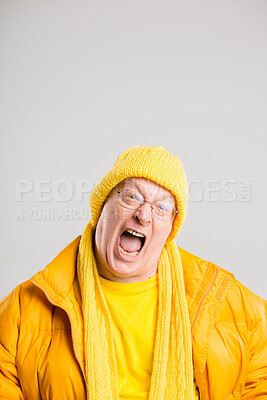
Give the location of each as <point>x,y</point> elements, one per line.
<point>161,209</point>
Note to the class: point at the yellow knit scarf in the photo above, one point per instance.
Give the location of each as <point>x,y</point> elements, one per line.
<point>172,373</point>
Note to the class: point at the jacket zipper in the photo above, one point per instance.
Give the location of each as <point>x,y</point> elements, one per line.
<point>59,306</point>
<point>204,297</point>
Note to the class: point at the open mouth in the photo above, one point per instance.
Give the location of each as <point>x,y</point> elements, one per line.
<point>131,243</point>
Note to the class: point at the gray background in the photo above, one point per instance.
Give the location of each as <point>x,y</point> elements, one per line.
<point>81,81</point>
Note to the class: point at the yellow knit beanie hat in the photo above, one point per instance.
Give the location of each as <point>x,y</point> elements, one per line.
<point>153,163</point>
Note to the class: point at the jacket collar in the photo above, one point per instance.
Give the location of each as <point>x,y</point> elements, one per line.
<point>58,276</point>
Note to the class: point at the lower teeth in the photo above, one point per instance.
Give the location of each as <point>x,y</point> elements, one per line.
<point>129,254</point>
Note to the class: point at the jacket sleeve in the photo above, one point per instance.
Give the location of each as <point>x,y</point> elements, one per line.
<point>10,388</point>
<point>256,380</point>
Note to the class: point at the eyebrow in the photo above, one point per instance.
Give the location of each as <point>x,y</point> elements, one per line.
<point>169,196</point>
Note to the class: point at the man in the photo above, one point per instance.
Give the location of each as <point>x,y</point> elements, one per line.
<point>123,313</point>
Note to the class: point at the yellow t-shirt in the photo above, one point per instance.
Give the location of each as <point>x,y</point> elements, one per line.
<point>134,310</point>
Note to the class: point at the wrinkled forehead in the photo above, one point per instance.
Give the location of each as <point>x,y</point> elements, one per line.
<point>147,188</point>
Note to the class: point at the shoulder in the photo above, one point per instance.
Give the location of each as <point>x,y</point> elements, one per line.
<point>200,274</point>
<point>25,303</point>
<point>236,302</point>
<point>20,299</point>
<point>246,310</point>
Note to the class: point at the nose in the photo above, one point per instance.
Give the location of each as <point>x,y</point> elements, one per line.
<point>143,214</point>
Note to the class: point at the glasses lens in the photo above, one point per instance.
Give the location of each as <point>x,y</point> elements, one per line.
<point>130,199</point>
<point>163,210</point>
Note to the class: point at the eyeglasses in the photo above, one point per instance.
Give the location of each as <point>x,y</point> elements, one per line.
<point>160,209</point>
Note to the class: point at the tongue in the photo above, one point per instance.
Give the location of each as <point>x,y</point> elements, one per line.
<point>130,243</point>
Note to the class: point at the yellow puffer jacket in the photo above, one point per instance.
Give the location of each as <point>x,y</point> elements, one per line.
<point>41,334</point>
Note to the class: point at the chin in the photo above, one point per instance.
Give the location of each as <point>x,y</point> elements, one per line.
<point>124,270</point>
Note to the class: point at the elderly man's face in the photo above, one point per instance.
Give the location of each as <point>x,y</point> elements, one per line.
<point>128,242</point>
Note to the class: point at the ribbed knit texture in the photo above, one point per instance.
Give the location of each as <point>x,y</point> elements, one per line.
<point>172,373</point>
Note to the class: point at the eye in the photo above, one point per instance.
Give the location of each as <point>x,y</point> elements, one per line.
<point>162,207</point>
<point>131,197</point>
